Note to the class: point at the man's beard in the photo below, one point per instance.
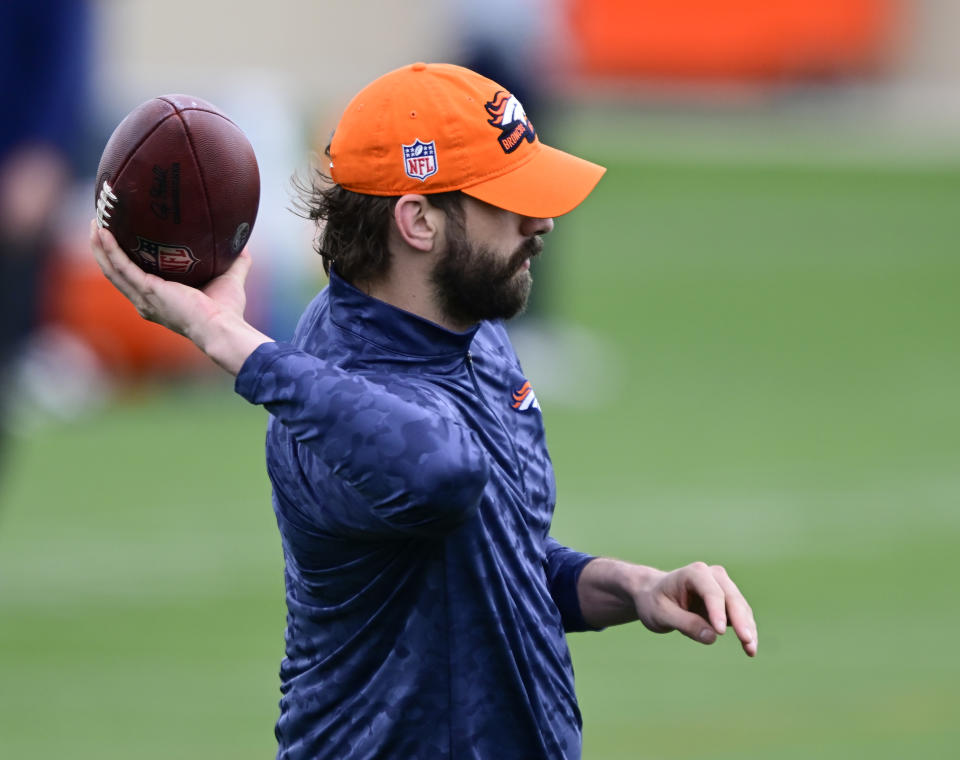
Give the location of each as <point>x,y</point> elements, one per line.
<point>471,282</point>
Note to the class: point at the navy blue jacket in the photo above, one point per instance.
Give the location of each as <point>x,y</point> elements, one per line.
<point>427,603</point>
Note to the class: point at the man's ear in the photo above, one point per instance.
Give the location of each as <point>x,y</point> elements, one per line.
<point>418,222</point>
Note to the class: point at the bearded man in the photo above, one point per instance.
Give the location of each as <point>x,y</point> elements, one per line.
<point>427,602</point>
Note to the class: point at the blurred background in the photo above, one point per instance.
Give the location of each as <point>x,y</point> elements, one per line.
<point>744,342</point>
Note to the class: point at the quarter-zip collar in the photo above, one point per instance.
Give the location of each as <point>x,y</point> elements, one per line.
<point>390,328</point>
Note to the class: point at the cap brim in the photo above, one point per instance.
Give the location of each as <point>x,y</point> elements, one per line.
<point>550,184</point>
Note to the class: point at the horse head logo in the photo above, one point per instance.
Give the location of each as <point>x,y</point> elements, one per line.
<point>508,116</point>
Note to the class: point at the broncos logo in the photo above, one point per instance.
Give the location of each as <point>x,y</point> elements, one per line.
<point>524,398</point>
<point>508,115</point>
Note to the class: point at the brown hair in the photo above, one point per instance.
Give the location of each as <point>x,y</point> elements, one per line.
<point>354,226</point>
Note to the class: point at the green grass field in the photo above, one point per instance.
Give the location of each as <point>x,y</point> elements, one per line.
<point>786,401</point>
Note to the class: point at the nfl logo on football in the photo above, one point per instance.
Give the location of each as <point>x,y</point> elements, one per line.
<point>420,159</point>
<point>175,259</point>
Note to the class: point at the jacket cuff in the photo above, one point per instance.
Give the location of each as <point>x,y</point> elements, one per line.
<point>563,589</point>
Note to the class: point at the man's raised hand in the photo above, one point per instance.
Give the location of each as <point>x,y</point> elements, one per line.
<point>212,318</point>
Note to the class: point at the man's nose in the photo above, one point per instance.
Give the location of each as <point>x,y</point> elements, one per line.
<point>534,226</point>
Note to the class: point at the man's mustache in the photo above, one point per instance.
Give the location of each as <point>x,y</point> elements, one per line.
<point>528,249</point>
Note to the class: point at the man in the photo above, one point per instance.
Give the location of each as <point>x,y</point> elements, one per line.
<point>411,481</point>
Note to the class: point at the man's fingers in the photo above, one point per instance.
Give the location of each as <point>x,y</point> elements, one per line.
<point>100,244</point>
<point>700,601</point>
<point>234,278</point>
<point>122,264</point>
<point>127,277</point>
<point>702,583</point>
<point>96,245</point>
<point>738,611</point>
<point>106,250</point>
<point>689,623</point>
<point>241,267</point>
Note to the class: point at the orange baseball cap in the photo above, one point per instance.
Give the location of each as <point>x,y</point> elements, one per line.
<point>431,128</point>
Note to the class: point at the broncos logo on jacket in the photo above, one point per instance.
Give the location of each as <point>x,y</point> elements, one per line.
<point>508,115</point>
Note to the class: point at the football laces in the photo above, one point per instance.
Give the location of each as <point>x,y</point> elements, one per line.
<point>105,204</point>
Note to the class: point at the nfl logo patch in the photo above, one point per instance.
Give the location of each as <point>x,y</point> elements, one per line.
<point>420,159</point>
<point>160,257</point>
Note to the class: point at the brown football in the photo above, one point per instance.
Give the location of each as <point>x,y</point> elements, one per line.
<point>178,186</point>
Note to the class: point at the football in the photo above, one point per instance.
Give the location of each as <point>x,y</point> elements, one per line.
<point>178,186</point>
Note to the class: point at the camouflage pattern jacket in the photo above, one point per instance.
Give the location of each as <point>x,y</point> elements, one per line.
<point>427,604</point>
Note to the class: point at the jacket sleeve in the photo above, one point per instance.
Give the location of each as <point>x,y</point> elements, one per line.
<point>417,471</point>
<point>563,567</point>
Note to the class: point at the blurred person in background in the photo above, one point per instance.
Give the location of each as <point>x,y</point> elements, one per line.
<point>526,56</point>
<point>427,603</point>
<point>498,58</point>
<point>513,54</point>
<point>44,62</point>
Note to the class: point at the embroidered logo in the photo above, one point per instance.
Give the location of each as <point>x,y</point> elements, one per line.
<point>173,259</point>
<point>420,159</point>
<point>508,115</point>
<point>525,398</point>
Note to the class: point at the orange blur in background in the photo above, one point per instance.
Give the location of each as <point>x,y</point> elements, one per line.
<point>743,41</point>
<point>78,297</point>
<point>734,39</point>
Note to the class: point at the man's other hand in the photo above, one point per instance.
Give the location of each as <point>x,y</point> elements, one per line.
<point>698,600</point>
